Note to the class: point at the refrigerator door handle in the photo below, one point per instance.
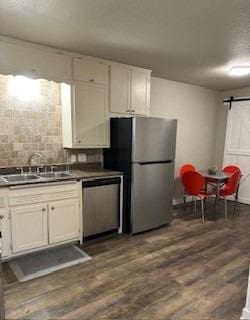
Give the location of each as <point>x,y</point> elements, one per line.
<point>154,162</point>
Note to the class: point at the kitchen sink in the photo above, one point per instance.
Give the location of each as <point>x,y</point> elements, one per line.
<point>54,175</point>
<point>32,176</point>
<point>20,177</point>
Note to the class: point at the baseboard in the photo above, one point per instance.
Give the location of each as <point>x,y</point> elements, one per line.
<point>245,314</point>
<point>244,200</point>
<point>180,201</point>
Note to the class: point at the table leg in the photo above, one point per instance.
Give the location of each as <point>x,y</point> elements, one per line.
<point>217,200</point>
<point>206,192</point>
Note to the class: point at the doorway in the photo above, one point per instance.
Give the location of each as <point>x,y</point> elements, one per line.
<point>237,144</point>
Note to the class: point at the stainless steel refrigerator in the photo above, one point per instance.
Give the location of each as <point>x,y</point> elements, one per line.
<point>143,148</point>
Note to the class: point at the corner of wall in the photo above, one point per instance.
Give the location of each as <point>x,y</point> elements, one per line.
<point>220,132</point>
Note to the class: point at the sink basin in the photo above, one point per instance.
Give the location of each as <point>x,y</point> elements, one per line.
<point>30,176</point>
<point>54,175</point>
<point>20,177</point>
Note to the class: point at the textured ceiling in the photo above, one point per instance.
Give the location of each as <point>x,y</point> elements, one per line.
<point>195,41</point>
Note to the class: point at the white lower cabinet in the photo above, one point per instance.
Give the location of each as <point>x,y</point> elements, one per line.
<point>63,220</point>
<point>41,217</point>
<point>29,227</point>
<point>35,226</point>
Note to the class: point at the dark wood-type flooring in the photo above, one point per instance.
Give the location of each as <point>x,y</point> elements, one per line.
<point>188,271</point>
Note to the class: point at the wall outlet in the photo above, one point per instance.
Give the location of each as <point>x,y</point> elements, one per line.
<point>82,157</point>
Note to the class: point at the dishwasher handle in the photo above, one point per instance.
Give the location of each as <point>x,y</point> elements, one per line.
<point>101,182</point>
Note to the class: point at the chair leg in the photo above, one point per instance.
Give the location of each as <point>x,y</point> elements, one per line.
<point>235,204</point>
<point>184,202</point>
<point>225,200</point>
<point>202,210</point>
<point>195,205</point>
<point>237,198</point>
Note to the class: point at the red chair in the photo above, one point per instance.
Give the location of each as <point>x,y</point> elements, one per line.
<point>194,184</point>
<point>230,189</point>
<point>185,168</point>
<point>232,169</point>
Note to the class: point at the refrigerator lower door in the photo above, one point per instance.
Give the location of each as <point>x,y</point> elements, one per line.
<point>152,193</point>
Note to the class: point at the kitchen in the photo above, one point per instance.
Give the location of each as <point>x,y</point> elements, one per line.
<point>64,186</point>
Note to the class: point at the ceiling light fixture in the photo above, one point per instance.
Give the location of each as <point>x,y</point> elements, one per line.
<point>240,71</point>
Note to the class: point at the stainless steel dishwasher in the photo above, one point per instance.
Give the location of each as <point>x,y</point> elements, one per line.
<point>101,205</point>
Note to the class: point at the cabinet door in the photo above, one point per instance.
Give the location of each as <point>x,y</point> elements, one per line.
<point>90,71</point>
<point>140,92</point>
<point>5,232</point>
<point>29,227</point>
<point>90,116</point>
<point>64,222</point>
<point>32,62</point>
<point>119,89</point>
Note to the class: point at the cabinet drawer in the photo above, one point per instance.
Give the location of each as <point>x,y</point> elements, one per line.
<point>90,71</point>
<point>42,194</point>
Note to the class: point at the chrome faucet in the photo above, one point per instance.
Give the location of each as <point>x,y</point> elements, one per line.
<point>21,169</point>
<point>36,154</point>
<point>52,167</point>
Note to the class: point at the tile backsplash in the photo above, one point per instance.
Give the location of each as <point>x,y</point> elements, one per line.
<point>33,126</point>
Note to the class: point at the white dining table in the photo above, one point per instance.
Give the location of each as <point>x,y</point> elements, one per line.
<point>218,180</point>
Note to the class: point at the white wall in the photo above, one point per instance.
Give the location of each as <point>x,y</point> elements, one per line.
<point>196,110</point>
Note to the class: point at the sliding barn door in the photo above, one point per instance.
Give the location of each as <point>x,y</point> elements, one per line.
<point>237,144</point>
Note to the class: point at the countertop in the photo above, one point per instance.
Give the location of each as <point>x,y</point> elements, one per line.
<point>82,174</point>
<point>74,175</point>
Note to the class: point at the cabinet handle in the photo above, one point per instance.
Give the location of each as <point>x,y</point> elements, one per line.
<point>132,110</point>
<point>79,141</point>
<point>52,208</point>
<point>128,110</point>
<point>91,80</point>
<point>1,216</point>
<point>43,209</point>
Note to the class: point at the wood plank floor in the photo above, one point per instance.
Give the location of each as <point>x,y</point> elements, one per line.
<point>188,271</point>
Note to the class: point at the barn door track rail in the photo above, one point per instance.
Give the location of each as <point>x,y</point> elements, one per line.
<point>232,99</point>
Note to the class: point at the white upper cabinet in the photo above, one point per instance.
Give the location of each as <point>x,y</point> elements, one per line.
<point>90,71</point>
<point>33,62</point>
<point>119,89</point>
<point>90,115</point>
<point>95,88</point>
<point>140,92</point>
<point>85,116</point>
<point>129,90</point>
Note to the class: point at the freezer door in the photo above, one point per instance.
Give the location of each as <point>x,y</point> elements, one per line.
<point>154,139</point>
<point>152,193</point>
